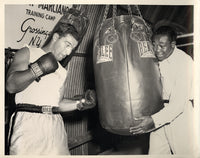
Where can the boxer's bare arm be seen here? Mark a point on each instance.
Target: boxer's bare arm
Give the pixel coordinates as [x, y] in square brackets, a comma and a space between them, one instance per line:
[19, 76]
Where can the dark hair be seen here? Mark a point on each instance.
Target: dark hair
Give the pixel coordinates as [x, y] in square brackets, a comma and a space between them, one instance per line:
[72, 22]
[63, 29]
[166, 30]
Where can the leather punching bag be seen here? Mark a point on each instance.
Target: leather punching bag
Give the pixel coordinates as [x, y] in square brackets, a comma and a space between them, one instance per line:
[126, 72]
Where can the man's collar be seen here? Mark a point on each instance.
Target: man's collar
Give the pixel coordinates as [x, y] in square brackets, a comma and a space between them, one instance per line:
[171, 57]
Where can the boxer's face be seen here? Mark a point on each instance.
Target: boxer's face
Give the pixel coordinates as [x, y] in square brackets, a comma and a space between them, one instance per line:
[63, 46]
[163, 47]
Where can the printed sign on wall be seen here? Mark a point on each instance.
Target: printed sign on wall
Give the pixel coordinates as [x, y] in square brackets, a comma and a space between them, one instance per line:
[31, 24]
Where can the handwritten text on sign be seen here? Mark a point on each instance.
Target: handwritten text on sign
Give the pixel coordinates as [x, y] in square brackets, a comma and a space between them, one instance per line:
[30, 24]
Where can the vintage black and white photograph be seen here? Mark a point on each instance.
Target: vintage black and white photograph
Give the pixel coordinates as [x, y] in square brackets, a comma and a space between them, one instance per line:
[99, 79]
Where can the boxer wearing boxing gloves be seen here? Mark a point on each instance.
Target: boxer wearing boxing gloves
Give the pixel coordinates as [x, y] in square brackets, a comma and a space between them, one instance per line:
[44, 65]
[37, 78]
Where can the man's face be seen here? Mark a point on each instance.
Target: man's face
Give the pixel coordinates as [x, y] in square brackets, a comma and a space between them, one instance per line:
[163, 47]
[63, 46]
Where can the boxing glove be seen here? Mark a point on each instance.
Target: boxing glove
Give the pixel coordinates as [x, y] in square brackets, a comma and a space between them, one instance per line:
[88, 100]
[46, 64]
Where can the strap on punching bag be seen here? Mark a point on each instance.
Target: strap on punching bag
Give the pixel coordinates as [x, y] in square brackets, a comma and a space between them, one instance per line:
[139, 14]
[114, 14]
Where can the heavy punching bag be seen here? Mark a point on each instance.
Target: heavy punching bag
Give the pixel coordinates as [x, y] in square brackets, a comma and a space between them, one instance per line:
[126, 72]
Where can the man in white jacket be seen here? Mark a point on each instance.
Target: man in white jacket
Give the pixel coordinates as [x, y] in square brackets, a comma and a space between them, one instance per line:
[172, 127]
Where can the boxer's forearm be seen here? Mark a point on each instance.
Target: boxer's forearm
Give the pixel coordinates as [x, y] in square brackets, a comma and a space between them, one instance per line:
[67, 105]
[19, 80]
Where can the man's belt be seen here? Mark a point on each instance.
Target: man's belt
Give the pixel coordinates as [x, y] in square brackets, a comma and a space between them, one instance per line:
[46, 109]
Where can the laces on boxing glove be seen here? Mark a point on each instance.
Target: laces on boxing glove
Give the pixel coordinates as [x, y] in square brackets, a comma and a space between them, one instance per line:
[35, 68]
[44, 65]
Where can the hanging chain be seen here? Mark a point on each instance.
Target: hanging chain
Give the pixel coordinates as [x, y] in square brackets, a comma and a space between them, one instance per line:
[114, 16]
[138, 11]
[130, 11]
[131, 15]
[113, 36]
[103, 20]
[104, 16]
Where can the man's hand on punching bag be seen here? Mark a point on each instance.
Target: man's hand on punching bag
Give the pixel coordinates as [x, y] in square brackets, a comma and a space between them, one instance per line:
[46, 64]
[87, 101]
[146, 125]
